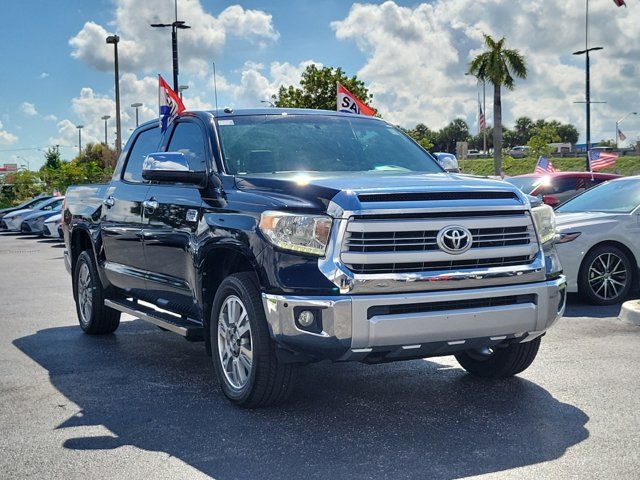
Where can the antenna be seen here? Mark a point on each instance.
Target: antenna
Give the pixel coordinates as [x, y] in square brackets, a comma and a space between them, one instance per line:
[215, 87]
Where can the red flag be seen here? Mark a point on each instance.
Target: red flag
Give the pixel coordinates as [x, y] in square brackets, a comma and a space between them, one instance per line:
[169, 102]
[619, 3]
[349, 103]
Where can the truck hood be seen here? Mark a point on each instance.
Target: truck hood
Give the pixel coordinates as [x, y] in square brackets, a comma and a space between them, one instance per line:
[320, 188]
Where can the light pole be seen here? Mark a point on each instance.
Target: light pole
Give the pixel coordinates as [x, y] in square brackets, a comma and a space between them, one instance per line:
[79, 127]
[105, 118]
[114, 39]
[136, 105]
[174, 42]
[25, 161]
[268, 102]
[182, 88]
[618, 125]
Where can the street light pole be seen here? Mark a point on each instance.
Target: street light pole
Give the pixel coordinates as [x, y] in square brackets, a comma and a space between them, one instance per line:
[79, 127]
[182, 88]
[105, 118]
[174, 42]
[114, 39]
[136, 106]
[618, 125]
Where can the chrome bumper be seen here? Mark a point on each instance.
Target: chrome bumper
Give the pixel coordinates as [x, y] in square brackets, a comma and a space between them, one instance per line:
[350, 331]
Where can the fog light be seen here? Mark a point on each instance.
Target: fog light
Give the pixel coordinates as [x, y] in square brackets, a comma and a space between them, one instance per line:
[306, 318]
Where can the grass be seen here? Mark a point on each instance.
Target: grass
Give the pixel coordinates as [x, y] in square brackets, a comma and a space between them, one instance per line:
[517, 166]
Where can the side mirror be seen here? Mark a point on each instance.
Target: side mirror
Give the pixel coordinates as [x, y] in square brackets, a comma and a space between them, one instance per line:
[171, 167]
[550, 200]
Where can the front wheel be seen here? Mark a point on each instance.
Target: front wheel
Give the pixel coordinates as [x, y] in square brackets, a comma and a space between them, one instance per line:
[499, 362]
[605, 276]
[243, 353]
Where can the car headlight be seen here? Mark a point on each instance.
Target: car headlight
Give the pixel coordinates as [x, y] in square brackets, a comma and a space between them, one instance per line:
[545, 221]
[300, 233]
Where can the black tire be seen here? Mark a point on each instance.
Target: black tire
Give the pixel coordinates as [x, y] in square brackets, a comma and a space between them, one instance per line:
[588, 285]
[268, 381]
[502, 362]
[97, 319]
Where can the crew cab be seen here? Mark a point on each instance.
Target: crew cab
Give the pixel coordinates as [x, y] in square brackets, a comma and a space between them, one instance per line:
[281, 237]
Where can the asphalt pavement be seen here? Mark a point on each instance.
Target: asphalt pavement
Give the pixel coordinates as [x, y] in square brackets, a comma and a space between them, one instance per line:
[143, 403]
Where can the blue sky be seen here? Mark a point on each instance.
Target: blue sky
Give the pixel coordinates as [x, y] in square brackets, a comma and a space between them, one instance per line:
[411, 54]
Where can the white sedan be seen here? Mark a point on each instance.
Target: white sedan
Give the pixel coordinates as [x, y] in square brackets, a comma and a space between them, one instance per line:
[51, 226]
[599, 245]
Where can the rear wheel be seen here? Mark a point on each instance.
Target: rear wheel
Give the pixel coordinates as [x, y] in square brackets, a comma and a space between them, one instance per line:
[94, 317]
[495, 362]
[605, 276]
[244, 356]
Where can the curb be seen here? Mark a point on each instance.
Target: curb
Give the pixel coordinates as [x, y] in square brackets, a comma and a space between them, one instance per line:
[630, 312]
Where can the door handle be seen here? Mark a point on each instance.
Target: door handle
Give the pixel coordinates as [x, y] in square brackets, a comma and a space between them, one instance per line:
[150, 205]
[109, 201]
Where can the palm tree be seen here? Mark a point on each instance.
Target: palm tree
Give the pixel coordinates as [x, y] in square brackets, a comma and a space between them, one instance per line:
[498, 65]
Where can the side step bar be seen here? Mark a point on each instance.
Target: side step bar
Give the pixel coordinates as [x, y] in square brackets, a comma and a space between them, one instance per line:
[189, 330]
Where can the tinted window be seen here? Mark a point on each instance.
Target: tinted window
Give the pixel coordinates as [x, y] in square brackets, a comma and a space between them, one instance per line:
[619, 196]
[565, 188]
[145, 143]
[188, 139]
[525, 184]
[320, 143]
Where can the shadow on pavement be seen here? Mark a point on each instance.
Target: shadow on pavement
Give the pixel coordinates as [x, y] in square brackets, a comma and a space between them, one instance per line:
[579, 308]
[416, 419]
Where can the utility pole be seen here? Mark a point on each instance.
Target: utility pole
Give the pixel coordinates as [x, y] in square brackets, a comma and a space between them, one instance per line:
[114, 39]
[105, 118]
[182, 88]
[136, 106]
[79, 127]
[174, 42]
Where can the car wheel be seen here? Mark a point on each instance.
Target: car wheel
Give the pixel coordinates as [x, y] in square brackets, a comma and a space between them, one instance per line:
[605, 276]
[499, 362]
[243, 353]
[94, 317]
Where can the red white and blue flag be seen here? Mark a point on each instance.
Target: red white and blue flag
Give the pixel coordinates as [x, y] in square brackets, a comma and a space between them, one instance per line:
[170, 104]
[619, 3]
[599, 160]
[621, 135]
[544, 165]
[348, 103]
[482, 121]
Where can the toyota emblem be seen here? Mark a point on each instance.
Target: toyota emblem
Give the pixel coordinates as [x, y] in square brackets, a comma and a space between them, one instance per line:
[454, 239]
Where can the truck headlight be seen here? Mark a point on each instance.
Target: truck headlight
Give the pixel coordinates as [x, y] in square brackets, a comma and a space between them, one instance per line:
[300, 233]
[545, 221]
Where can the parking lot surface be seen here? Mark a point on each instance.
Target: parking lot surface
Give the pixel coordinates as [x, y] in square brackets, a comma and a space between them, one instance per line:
[143, 403]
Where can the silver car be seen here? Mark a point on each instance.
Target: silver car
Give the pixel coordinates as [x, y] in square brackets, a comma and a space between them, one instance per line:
[13, 220]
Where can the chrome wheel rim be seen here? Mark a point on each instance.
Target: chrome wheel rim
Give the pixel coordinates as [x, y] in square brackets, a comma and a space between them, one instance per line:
[85, 293]
[607, 276]
[235, 342]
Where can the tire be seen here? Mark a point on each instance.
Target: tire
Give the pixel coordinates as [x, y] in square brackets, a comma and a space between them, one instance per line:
[94, 317]
[258, 379]
[501, 362]
[612, 263]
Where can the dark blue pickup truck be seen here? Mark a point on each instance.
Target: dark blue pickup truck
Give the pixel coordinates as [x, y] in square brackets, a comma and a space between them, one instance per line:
[283, 237]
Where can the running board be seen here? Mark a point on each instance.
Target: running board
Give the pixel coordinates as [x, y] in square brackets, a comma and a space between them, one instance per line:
[189, 330]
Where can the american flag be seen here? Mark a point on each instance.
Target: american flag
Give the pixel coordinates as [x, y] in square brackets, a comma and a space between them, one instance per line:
[621, 135]
[619, 3]
[482, 122]
[544, 165]
[599, 160]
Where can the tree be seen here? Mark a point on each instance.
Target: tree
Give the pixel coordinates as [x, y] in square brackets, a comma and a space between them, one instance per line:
[52, 159]
[423, 135]
[100, 154]
[318, 89]
[522, 131]
[498, 65]
[456, 131]
[568, 133]
[540, 139]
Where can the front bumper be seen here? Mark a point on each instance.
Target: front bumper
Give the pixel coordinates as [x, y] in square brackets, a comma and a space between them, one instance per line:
[413, 325]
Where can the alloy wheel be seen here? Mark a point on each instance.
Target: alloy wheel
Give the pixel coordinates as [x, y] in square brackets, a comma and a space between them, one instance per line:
[85, 294]
[607, 276]
[235, 342]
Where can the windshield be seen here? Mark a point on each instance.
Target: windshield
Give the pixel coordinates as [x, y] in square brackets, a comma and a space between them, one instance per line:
[619, 196]
[41, 204]
[525, 184]
[318, 143]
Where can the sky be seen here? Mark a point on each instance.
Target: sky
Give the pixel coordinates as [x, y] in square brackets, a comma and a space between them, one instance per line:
[58, 71]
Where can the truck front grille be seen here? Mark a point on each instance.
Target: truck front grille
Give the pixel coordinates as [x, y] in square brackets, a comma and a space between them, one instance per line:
[401, 244]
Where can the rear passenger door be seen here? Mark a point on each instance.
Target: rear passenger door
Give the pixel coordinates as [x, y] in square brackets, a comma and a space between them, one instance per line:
[121, 224]
[170, 227]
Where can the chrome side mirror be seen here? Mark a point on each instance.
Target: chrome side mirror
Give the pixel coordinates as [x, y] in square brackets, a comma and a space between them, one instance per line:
[171, 167]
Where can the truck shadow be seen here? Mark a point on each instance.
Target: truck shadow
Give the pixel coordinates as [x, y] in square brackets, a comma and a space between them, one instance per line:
[417, 419]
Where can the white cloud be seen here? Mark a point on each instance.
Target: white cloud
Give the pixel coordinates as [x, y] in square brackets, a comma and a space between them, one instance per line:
[51, 118]
[143, 48]
[416, 58]
[44, 75]
[29, 109]
[6, 138]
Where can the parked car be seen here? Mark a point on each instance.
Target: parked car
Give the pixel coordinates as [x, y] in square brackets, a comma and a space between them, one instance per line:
[23, 206]
[34, 222]
[448, 161]
[261, 233]
[519, 152]
[556, 188]
[13, 220]
[53, 226]
[600, 241]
